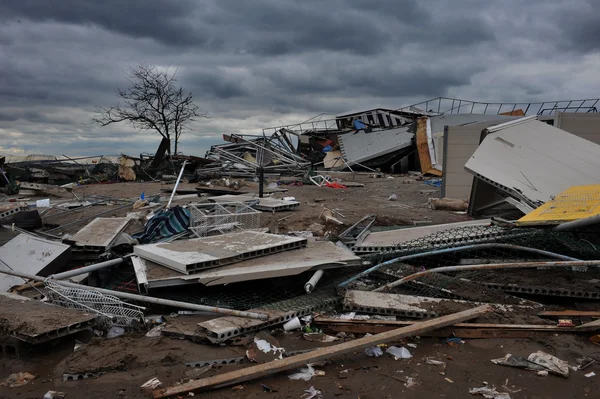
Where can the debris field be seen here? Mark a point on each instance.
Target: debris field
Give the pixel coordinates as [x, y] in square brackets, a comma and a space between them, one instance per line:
[387, 253]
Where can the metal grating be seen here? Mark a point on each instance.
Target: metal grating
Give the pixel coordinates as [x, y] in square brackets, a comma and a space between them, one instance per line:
[112, 311]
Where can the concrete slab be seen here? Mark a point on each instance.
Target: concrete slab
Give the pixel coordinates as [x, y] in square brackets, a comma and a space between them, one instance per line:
[264, 204]
[385, 240]
[414, 306]
[29, 254]
[189, 256]
[317, 255]
[36, 322]
[100, 232]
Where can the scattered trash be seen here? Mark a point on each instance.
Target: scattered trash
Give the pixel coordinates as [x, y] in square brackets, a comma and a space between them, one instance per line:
[393, 197]
[267, 388]
[489, 393]
[434, 362]
[293, 324]
[374, 351]
[319, 337]
[398, 353]
[552, 363]
[262, 345]
[411, 345]
[18, 380]
[590, 374]
[114, 332]
[54, 395]
[151, 384]
[449, 380]
[306, 374]
[542, 373]
[411, 382]
[311, 393]
[155, 331]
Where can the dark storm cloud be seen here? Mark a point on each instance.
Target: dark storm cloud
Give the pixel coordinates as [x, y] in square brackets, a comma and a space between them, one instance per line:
[161, 20]
[253, 64]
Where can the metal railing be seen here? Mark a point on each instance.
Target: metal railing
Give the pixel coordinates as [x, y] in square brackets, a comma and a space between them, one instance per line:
[445, 105]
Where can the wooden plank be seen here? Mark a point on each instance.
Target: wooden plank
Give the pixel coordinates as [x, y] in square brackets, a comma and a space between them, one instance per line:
[463, 330]
[262, 370]
[434, 172]
[422, 146]
[569, 313]
[592, 326]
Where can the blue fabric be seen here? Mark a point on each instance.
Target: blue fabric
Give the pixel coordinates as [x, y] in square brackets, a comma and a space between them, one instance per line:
[358, 125]
[165, 223]
[328, 148]
[434, 182]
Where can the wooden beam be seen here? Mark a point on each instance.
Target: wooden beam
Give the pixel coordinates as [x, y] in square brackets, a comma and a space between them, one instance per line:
[422, 146]
[262, 370]
[463, 330]
[569, 313]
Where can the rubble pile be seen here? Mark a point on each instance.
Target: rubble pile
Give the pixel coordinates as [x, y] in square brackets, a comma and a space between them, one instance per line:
[266, 256]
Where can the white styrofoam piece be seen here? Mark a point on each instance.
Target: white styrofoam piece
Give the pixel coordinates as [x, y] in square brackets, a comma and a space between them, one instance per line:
[186, 255]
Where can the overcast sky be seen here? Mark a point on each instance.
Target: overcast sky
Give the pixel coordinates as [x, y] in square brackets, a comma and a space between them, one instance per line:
[261, 63]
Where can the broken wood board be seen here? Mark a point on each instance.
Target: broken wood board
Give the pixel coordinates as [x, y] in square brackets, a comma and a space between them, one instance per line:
[462, 330]
[262, 370]
[32, 255]
[409, 305]
[47, 189]
[333, 159]
[317, 255]
[189, 256]
[423, 145]
[569, 313]
[264, 204]
[100, 233]
[36, 322]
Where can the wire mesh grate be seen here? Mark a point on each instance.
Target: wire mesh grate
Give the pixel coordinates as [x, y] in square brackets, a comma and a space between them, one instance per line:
[210, 219]
[112, 311]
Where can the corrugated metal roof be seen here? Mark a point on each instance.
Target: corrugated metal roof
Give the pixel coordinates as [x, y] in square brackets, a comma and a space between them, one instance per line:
[360, 147]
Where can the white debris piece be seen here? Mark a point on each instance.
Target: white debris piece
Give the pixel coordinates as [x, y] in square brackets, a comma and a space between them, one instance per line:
[374, 351]
[489, 393]
[552, 363]
[399, 353]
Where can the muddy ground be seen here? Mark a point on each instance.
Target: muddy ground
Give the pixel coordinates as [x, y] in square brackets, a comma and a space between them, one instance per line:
[352, 203]
[128, 362]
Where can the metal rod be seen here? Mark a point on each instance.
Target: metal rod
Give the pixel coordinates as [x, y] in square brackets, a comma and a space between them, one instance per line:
[86, 269]
[575, 224]
[455, 249]
[176, 184]
[312, 283]
[519, 265]
[141, 298]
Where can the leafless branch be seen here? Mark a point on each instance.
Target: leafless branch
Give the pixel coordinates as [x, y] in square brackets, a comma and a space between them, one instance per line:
[152, 102]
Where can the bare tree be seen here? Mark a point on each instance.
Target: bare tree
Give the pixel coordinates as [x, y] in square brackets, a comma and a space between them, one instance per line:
[152, 102]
